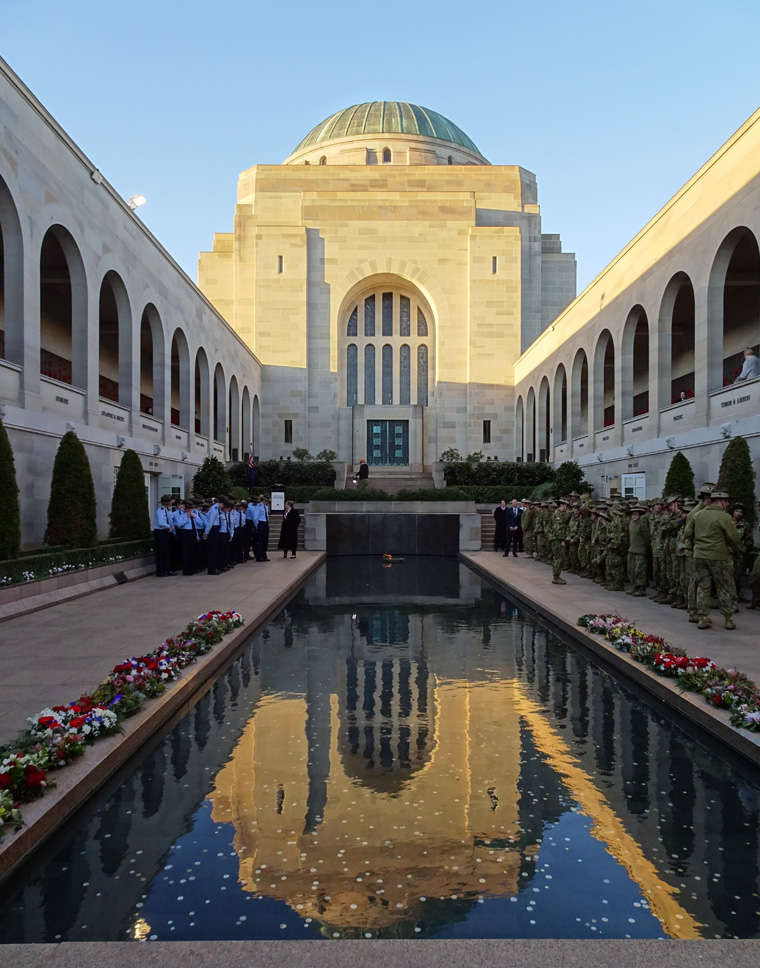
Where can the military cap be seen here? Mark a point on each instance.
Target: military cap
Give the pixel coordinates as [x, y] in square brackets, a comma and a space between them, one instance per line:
[707, 488]
[603, 513]
[738, 504]
[671, 498]
[166, 499]
[720, 495]
[656, 501]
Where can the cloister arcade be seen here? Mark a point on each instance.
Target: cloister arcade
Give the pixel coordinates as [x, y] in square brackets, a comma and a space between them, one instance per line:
[88, 334]
[679, 349]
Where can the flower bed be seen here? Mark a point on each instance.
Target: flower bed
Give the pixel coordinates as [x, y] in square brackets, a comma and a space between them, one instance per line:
[60, 734]
[723, 688]
[48, 564]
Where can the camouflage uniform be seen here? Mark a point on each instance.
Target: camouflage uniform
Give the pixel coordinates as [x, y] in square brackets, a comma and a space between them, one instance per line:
[656, 522]
[584, 543]
[571, 546]
[559, 522]
[527, 526]
[684, 567]
[740, 561]
[597, 547]
[539, 531]
[616, 540]
[715, 537]
[669, 527]
[638, 555]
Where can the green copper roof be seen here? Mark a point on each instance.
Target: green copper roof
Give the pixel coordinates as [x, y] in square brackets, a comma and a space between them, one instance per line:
[387, 117]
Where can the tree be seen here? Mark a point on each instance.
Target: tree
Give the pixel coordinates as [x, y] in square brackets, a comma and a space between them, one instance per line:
[212, 479]
[328, 456]
[737, 476]
[72, 515]
[130, 516]
[569, 478]
[680, 477]
[301, 454]
[10, 519]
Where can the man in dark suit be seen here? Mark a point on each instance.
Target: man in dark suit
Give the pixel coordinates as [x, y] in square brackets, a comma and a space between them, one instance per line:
[514, 529]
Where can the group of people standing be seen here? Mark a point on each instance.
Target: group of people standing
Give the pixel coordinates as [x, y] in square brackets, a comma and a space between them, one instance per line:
[215, 535]
[685, 549]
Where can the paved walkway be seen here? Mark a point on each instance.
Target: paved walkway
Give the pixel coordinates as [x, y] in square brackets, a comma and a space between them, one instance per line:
[532, 580]
[54, 655]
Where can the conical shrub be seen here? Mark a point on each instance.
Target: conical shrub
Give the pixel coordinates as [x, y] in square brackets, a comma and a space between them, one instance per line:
[680, 477]
[10, 518]
[130, 516]
[71, 512]
[737, 476]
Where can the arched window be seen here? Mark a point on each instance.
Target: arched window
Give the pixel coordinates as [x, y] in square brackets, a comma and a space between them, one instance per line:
[323, 160]
[369, 373]
[377, 359]
[386, 156]
[352, 374]
[387, 375]
[405, 375]
[451, 160]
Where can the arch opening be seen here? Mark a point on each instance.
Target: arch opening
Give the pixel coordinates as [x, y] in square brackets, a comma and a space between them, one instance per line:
[63, 309]
[741, 304]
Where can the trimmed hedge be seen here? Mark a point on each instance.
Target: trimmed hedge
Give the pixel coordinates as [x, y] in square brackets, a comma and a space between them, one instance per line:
[10, 519]
[71, 517]
[311, 473]
[432, 494]
[494, 472]
[350, 494]
[130, 516]
[49, 563]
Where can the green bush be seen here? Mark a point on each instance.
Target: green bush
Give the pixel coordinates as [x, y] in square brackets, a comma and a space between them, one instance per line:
[238, 493]
[10, 519]
[737, 476]
[432, 494]
[680, 477]
[212, 479]
[307, 473]
[568, 478]
[130, 516]
[494, 472]
[542, 492]
[48, 563]
[71, 517]
[350, 494]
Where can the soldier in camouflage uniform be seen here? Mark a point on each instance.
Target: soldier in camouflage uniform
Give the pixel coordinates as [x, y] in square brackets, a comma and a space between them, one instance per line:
[527, 527]
[597, 544]
[584, 542]
[705, 500]
[715, 540]
[616, 543]
[571, 546]
[670, 522]
[747, 544]
[638, 550]
[558, 534]
[539, 532]
[685, 558]
[656, 520]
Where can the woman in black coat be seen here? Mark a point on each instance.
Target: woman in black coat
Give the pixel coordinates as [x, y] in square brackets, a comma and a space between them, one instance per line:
[289, 533]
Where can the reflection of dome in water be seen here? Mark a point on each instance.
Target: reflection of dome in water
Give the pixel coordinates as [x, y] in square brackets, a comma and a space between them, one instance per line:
[387, 720]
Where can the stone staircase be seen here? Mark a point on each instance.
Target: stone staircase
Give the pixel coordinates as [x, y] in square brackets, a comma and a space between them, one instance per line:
[275, 527]
[487, 526]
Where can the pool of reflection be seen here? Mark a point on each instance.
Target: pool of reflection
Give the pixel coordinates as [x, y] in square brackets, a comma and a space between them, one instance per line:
[404, 753]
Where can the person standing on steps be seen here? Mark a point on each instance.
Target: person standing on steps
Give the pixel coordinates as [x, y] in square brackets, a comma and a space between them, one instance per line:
[362, 475]
[289, 532]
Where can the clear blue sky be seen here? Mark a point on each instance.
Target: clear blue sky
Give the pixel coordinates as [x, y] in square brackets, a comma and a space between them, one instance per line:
[613, 106]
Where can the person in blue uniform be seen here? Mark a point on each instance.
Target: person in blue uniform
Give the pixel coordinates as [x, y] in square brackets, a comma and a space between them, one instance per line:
[163, 529]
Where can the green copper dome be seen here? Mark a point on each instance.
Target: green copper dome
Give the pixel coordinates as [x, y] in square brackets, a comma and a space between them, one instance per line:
[387, 117]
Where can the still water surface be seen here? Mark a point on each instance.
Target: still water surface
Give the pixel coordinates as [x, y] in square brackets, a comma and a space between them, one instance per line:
[404, 753]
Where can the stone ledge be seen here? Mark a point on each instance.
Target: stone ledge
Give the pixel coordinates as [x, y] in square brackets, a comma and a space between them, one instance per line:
[26, 597]
[715, 722]
[78, 782]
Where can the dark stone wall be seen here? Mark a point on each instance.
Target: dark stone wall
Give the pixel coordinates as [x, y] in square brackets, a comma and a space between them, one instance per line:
[393, 534]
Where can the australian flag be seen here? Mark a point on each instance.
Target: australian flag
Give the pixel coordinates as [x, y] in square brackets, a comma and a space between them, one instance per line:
[251, 473]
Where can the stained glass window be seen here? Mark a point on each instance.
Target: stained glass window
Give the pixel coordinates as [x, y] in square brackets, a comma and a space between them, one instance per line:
[387, 375]
[369, 373]
[352, 323]
[421, 323]
[405, 315]
[422, 375]
[387, 314]
[352, 375]
[369, 316]
[405, 363]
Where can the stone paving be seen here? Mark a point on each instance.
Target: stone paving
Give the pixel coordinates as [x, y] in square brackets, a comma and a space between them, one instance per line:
[532, 581]
[54, 655]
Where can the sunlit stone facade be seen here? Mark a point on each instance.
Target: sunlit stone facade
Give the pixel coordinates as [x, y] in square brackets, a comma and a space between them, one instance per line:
[387, 276]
